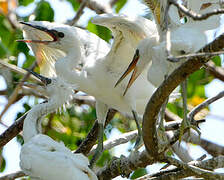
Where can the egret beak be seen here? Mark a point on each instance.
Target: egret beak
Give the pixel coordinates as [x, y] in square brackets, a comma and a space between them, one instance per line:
[50, 32]
[132, 66]
[45, 80]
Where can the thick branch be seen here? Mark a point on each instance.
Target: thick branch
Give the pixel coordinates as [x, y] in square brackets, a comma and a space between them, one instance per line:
[91, 138]
[124, 165]
[12, 131]
[165, 89]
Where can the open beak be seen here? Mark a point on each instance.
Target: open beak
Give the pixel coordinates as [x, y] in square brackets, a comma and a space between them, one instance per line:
[51, 33]
[132, 66]
[43, 79]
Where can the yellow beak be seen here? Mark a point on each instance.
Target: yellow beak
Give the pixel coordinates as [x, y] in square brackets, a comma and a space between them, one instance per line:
[132, 66]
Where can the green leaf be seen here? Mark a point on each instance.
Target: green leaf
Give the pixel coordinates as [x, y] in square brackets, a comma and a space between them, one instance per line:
[100, 31]
[25, 2]
[138, 173]
[217, 60]
[2, 165]
[75, 4]
[19, 139]
[44, 12]
[119, 5]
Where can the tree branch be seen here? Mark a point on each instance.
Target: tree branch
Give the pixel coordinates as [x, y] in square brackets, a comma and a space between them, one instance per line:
[78, 13]
[97, 7]
[217, 72]
[204, 104]
[13, 96]
[193, 15]
[13, 176]
[12, 131]
[91, 138]
[165, 89]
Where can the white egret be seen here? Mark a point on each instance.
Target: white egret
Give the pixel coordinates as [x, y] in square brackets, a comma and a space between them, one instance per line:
[43, 158]
[99, 75]
[185, 39]
[90, 46]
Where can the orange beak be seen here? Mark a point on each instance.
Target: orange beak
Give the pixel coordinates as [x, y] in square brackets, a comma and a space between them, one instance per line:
[132, 66]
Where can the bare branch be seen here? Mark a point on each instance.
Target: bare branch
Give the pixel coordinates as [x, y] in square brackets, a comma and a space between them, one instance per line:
[204, 104]
[210, 147]
[14, 95]
[187, 56]
[124, 165]
[198, 171]
[122, 139]
[193, 15]
[12, 131]
[179, 173]
[18, 70]
[78, 13]
[97, 7]
[91, 138]
[217, 72]
[13, 176]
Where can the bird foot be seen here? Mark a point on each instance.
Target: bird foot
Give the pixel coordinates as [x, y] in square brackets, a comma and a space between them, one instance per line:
[162, 138]
[186, 125]
[138, 142]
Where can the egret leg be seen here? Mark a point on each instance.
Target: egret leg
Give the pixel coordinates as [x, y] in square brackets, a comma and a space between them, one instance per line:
[139, 140]
[101, 113]
[99, 149]
[185, 124]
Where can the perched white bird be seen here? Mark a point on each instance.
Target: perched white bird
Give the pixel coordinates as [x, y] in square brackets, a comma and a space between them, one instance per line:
[41, 157]
[99, 75]
[40, 33]
[185, 39]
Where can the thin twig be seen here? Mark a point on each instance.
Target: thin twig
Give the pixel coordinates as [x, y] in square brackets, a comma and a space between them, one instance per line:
[122, 139]
[217, 72]
[13, 176]
[78, 13]
[97, 7]
[204, 104]
[18, 70]
[193, 15]
[200, 172]
[13, 96]
[178, 58]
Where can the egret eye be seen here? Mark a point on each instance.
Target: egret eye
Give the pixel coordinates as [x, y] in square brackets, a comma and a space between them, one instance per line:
[61, 34]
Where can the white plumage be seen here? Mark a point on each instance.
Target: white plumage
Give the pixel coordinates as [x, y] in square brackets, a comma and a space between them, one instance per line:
[41, 157]
[185, 39]
[99, 75]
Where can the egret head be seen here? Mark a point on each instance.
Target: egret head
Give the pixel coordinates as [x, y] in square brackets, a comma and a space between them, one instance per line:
[58, 36]
[140, 61]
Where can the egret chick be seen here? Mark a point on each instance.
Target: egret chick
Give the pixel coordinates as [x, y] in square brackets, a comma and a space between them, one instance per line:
[185, 39]
[98, 75]
[43, 158]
